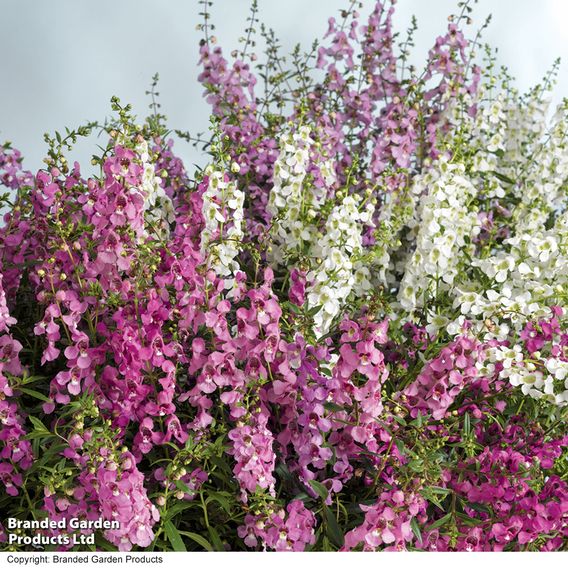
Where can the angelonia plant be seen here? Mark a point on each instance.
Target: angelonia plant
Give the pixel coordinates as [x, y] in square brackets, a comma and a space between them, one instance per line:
[349, 331]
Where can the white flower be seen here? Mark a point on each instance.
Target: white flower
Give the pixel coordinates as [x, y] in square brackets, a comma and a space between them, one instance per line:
[221, 238]
[444, 220]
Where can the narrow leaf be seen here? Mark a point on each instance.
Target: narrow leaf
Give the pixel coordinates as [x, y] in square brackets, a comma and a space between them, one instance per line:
[174, 537]
[203, 542]
[334, 532]
[319, 488]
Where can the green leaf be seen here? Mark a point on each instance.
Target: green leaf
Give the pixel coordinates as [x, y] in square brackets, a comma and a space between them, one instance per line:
[283, 472]
[333, 531]
[221, 464]
[319, 488]
[38, 434]
[440, 522]
[33, 379]
[174, 537]
[418, 421]
[302, 497]
[178, 508]
[416, 465]
[103, 544]
[326, 545]
[466, 424]
[47, 454]
[477, 507]
[503, 178]
[332, 407]
[221, 498]
[439, 490]
[34, 393]
[400, 446]
[416, 530]
[183, 487]
[292, 307]
[38, 424]
[468, 520]
[203, 542]
[431, 494]
[216, 539]
[314, 310]
[399, 419]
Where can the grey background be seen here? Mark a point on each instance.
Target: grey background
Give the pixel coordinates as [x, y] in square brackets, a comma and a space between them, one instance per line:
[62, 60]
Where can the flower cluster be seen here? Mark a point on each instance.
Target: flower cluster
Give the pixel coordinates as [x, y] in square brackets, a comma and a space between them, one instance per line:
[281, 530]
[445, 228]
[109, 487]
[223, 215]
[538, 364]
[348, 332]
[15, 449]
[294, 209]
[339, 268]
[442, 378]
[387, 523]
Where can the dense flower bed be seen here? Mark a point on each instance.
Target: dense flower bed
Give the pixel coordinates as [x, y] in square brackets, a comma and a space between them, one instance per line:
[348, 332]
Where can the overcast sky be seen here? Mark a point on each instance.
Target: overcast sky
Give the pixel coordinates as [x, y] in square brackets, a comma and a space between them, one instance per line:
[62, 60]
